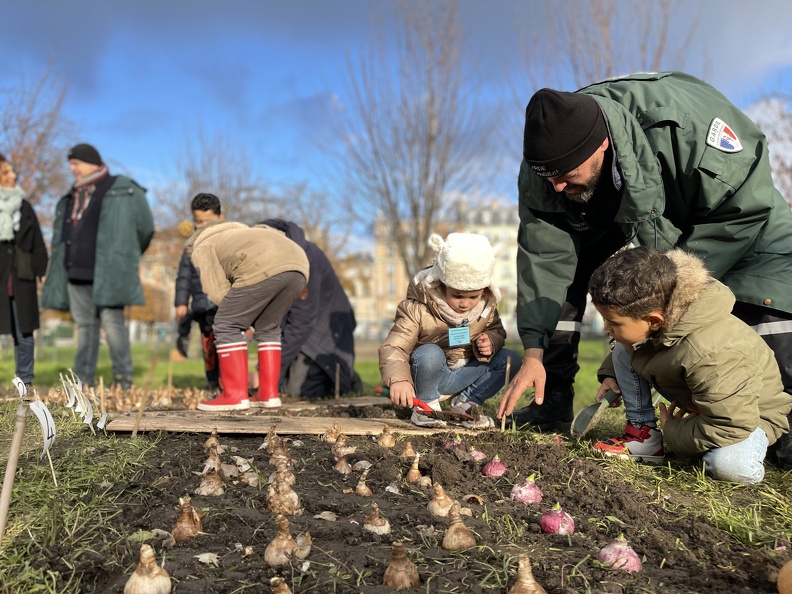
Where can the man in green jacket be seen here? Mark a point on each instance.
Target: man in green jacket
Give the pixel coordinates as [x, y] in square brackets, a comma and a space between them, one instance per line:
[101, 228]
[656, 159]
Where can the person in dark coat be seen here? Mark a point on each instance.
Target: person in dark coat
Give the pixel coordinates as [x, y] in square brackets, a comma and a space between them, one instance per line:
[23, 259]
[317, 333]
[192, 304]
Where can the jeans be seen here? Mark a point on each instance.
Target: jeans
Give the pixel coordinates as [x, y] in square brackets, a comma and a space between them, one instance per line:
[741, 462]
[636, 392]
[89, 318]
[475, 382]
[24, 348]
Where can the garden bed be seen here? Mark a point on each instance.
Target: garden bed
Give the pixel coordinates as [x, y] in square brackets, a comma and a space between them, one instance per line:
[681, 551]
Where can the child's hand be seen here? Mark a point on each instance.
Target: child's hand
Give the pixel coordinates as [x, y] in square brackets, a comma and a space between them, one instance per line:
[671, 413]
[402, 393]
[609, 384]
[484, 345]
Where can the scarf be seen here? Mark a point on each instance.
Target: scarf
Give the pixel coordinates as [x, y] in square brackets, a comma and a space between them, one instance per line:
[10, 203]
[83, 190]
[453, 318]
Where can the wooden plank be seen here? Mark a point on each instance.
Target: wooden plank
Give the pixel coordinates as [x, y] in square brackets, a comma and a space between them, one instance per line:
[247, 422]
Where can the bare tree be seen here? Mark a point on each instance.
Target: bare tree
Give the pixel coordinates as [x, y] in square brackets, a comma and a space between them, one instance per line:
[600, 39]
[592, 40]
[411, 133]
[325, 222]
[34, 135]
[218, 165]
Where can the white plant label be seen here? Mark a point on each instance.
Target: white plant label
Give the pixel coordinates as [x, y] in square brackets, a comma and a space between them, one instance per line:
[20, 386]
[69, 391]
[47, 424]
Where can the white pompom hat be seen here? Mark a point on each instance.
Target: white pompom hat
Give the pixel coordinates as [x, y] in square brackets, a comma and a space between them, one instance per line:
[465, 261]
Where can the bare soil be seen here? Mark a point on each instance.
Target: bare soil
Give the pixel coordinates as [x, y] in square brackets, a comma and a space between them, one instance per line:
[682, 554]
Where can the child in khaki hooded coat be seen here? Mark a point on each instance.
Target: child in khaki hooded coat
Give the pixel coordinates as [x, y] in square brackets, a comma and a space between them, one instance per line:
[447, 337]
[253, 274]
[674, 332]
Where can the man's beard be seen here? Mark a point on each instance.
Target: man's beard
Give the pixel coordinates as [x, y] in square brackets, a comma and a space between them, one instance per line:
[583, 197]
[588, 188]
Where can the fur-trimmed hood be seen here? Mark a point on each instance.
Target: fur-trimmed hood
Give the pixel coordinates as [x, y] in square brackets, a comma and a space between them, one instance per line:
[692, 279]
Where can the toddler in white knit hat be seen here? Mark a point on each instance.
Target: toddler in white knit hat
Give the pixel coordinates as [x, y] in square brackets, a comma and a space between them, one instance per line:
[447, 338]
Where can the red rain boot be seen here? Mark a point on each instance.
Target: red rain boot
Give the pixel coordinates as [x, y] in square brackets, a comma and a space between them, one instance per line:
[233, 362]
[269, 360]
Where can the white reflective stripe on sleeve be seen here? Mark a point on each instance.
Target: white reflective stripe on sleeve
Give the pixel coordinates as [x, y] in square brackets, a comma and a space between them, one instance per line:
[780, 327]
[565, 326]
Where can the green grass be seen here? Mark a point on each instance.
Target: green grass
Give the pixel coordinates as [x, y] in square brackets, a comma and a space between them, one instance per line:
[62, 519]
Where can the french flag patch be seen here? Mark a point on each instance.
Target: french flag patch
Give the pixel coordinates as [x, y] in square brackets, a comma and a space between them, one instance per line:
[722, 137]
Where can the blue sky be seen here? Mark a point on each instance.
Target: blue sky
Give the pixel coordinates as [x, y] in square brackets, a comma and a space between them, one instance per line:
[143, 75]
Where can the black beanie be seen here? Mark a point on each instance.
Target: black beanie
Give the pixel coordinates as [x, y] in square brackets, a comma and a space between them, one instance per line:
[85, 153]
[562, 130]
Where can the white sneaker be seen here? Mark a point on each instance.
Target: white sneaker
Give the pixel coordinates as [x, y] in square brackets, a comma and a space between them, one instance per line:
[643, 444]
[424, 421]
[472, 409]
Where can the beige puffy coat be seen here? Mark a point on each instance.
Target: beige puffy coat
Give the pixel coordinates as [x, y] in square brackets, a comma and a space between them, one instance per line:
[229, 254]
[418, 322]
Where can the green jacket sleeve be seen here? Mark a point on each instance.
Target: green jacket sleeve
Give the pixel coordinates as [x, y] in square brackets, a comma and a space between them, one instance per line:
[546, 262]
[145, 221]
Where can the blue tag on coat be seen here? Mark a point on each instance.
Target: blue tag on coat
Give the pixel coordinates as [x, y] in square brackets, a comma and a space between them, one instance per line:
[458, 336]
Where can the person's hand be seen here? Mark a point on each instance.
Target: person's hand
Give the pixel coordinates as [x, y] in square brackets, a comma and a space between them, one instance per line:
[670, 413]
[531, 374]
[402, 393]
[484, 345]
[303, 294]
[609, 383]
[181, 311]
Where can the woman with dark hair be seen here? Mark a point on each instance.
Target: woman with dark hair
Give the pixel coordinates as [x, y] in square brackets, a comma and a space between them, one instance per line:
[23, 259]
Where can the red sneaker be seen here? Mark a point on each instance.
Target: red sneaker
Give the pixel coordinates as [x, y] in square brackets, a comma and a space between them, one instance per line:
[642, 445]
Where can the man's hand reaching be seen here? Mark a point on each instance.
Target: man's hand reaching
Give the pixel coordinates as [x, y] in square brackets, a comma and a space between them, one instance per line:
[531, 375]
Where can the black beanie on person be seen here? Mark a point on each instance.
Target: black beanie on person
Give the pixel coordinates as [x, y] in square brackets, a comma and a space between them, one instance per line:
[562, 130]
[85, 153]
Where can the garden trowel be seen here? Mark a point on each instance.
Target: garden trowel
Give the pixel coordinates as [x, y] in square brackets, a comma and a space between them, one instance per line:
[588, 418]
[444, 415]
